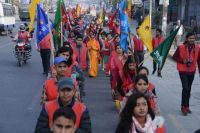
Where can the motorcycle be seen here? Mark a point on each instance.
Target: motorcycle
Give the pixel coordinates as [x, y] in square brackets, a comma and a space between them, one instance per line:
[22, 52]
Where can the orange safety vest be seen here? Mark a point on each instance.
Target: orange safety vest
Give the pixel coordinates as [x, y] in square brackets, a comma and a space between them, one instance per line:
[23, 36]
[51, 89]
[152, 103]
[45, 43]
[78, 109]
[184, 54]
[138, 44]
[69, 69]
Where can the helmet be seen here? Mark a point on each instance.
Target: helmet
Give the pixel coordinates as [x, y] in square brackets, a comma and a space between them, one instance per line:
[22, 27]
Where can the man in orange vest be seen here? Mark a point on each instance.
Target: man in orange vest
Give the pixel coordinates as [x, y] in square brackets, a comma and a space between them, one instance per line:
[138, 49]
[64, 120]
[187, 56]
[82, 53]
[50, 90]
[66, 87]
[45, 52]
[157, 40]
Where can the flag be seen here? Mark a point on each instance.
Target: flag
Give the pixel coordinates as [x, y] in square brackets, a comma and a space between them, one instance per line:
[110, 24]
[124, 26]
[129, 3]
[145, 33]
[78, 10]
[57, 22]
[102, 16]
[64, 14]
[42, 25]
[160, 53]
[32, 10]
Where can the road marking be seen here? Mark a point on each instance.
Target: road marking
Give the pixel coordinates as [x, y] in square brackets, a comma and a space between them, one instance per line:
[177, 124]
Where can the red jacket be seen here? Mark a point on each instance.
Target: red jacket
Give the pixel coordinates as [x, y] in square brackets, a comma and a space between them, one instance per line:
[192, 54]
[138, 44]
[157, 41]
[51, 89]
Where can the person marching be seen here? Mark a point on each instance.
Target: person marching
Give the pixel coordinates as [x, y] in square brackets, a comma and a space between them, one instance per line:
[115, 64]
[141, 85]
[142, 70]
[138, 48]
[94, 52]
[82, 53]
[105, 49]
[50, 90]
[187, 55]
[64, 120]
[157, 40]
[138, 117]
[66, 98]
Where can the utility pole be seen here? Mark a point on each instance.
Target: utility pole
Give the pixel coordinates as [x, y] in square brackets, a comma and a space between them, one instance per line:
[164, 18]
[150, 10]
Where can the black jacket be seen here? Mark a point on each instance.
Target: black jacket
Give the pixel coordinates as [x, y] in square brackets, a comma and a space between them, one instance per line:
[42, 125]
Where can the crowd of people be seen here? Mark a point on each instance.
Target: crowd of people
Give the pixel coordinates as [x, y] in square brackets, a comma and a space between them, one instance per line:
[83, 49]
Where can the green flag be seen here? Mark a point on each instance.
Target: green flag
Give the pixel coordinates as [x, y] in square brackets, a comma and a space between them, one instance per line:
[160, 53]
[57, 22]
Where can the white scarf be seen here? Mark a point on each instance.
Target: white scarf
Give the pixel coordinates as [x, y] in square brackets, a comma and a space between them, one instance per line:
[148, 127]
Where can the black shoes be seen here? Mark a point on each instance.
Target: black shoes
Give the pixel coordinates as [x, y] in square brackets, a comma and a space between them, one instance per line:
[153, 71]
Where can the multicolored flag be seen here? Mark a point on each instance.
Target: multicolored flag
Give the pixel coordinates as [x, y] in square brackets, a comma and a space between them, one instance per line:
[124, 26]
[42, 25]
[160, 53]
[32, 11]
[64, 14]
[145, 33]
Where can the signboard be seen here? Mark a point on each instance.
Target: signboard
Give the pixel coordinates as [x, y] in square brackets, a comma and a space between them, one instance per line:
[164, 2]
[136, 2]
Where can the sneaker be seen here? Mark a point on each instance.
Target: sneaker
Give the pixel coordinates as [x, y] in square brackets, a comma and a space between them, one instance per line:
[153, 71]
[159, 75]
[188, 110]
[184, 111]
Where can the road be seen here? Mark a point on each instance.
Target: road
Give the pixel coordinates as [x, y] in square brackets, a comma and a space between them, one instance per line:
[21, 88]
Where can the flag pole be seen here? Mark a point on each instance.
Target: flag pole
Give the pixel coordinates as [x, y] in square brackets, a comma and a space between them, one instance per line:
[61, 28]
[150, 11]
[50, 33]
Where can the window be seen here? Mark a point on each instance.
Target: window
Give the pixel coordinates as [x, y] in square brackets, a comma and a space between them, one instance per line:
[8, 10]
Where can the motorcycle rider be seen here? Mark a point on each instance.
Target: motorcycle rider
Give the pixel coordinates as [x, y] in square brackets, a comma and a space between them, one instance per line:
[23, 36]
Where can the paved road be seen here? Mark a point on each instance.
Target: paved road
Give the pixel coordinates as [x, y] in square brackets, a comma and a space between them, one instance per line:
[20, 92]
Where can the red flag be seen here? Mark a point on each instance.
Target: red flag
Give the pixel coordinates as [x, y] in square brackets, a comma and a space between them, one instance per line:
[64, 15]
[110, 24]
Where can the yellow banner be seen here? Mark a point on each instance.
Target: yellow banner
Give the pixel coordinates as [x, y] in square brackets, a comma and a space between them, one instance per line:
[32, 10]
[145, 33]
[129, 9]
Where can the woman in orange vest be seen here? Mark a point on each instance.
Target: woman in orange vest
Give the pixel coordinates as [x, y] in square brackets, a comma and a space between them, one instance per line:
[67, 89]
[145, 71]
[94, 52]
[187, 55]
[141, 85]
[138, 117]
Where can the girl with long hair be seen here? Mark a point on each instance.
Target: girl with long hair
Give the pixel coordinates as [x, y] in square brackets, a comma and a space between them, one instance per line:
[138, 117]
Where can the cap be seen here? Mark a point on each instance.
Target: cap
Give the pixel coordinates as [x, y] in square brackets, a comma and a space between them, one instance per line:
[59, 60]
[66, 83]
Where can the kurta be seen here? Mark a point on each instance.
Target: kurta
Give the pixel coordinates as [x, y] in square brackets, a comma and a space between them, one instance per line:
[94, 49]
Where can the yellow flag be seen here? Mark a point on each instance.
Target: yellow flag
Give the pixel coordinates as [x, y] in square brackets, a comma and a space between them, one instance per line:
[78, 10]
[32, 10]
[145, 33]
[129, 3]
[101, 16]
